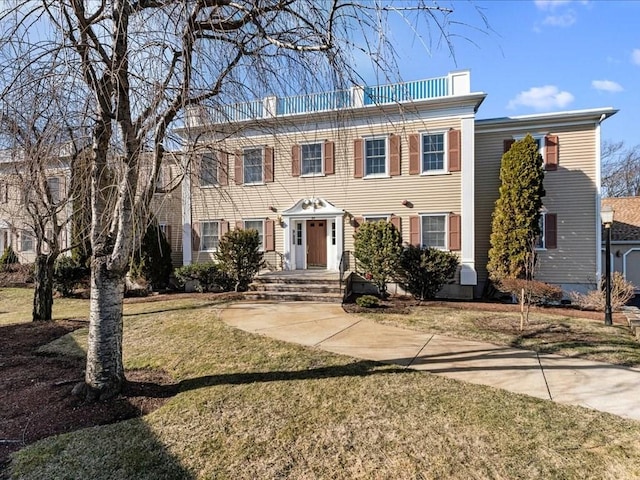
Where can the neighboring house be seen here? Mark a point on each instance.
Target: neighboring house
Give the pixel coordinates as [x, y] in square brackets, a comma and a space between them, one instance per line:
[625, 238]
[16, 226]
[306, 171]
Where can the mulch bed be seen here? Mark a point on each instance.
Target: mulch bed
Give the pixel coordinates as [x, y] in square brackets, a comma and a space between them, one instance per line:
[35, 389]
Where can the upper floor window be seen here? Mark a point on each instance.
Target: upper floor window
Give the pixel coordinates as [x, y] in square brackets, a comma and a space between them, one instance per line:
[547, 147]
[252, 165]
[53, 184]
[433, 152]
[376, 218]
[375, 156]
[4, 193]
[311, 159]
[209, 170]
[434, 231]
[209, 235]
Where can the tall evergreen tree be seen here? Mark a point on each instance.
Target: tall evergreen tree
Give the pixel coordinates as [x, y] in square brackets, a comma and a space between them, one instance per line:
[516, 217]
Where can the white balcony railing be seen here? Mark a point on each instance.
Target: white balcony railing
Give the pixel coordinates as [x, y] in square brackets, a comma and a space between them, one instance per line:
[453, 84]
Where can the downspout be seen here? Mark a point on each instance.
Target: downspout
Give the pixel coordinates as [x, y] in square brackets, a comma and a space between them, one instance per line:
[598, 226]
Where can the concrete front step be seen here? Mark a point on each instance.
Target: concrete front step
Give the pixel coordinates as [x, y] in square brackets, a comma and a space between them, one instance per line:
[294, 280]
[294, 296]
[296, 287]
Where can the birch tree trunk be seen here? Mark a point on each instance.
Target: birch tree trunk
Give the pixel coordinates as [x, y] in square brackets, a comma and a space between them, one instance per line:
[105, 372]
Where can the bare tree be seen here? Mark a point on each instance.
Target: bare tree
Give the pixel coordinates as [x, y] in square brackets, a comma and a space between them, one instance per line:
[43, 152]
[143, 62]
[620, 170]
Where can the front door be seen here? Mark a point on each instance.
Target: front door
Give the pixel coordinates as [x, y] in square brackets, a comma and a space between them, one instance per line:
[316, 243]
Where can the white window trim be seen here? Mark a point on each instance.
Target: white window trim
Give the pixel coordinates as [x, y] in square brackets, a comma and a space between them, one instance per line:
[386, 216]
[244, 150]
[217, 168]
[445, 158]
[446, 229]
[202, 235]
[543, 228]
[386, 157]
[319, 174]
[262, 220]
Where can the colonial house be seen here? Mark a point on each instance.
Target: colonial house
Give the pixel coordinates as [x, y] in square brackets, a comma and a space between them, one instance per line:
[625, 238]
[18, 227]
[305, 171]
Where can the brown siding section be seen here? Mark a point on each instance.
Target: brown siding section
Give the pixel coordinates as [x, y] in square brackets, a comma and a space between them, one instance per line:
[414, 230]
[506, 144]
[358, 158]
[223, 169]
[269, 240]
[329, 155]
[551, 153]
[394, 155]
[414, 154]
[551, 231]
[455, 234]
[238, 167]
[268, 164]
[295, 161]
[454, 150]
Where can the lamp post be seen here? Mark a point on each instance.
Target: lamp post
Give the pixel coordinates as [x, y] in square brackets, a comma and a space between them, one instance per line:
[606, 216]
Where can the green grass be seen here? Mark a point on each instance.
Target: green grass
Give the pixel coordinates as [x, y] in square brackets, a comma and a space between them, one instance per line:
[252, 407]
[562, 335]
[16, 306]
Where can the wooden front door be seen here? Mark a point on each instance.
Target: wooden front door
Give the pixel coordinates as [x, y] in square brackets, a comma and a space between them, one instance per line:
[316, 243]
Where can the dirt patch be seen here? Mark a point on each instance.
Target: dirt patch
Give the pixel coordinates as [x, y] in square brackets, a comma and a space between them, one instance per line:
[35, 389]
[402, 305]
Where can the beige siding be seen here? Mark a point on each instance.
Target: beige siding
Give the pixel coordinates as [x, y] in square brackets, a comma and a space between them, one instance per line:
[570, 194]
[358, 196]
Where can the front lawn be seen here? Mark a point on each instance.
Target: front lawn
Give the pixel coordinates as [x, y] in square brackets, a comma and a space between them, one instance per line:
[251, 407]
[16, 306]
[565, 335]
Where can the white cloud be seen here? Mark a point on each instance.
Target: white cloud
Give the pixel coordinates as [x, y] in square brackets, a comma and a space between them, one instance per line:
[635, 56]
[564, 20]
[607, 86]
[542, 98]
[549, 4]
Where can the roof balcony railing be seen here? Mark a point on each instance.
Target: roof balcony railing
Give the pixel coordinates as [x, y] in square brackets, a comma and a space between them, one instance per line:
[453, 84]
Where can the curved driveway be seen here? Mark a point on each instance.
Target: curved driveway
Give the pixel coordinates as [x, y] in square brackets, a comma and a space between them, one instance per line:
[596, 385]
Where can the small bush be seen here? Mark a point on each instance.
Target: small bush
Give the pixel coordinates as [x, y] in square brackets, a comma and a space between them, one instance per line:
[16, 274]
[621, 292]
[8, 257]
[536, 292]
[378, 246]
[207, 276]
[68, 275]
[239, 256]
[423, 271]
[367, 301]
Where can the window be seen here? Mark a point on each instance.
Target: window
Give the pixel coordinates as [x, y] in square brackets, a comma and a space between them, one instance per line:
[252, 165]
[547, 147]
[376, 218]
[540, 240]
[375, 157]
[4, 193]
[299, 234]
[433, 148]
[53, 184]
[209, 170]
[257, 225]
[434, 231]
[548, 238]
[311, 159]
[209, 235]
[26, 242]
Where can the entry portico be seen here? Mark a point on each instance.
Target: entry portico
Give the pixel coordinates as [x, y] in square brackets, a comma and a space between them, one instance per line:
[313, 235]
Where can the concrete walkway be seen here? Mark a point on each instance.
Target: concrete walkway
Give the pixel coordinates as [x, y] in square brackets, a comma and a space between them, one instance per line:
[596, 385]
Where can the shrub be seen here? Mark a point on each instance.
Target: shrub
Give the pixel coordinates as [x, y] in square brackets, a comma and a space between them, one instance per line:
[68, 274]
[207, 276]
[239, 256]
[16, 274]
[378, 246]
[423, 271]
[8, 257]
[535, 292]
[367, 301]
[153, 261]
[621, 292]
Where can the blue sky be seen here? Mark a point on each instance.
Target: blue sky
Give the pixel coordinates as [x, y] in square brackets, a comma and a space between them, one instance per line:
[540, 56]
